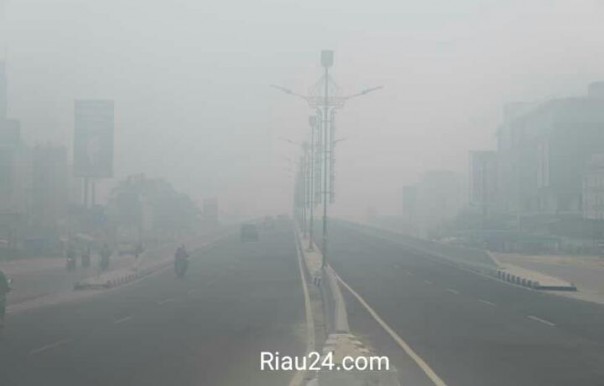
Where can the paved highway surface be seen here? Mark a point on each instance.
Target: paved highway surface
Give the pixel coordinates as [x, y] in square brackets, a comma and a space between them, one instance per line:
[472, 330]
[208, 329]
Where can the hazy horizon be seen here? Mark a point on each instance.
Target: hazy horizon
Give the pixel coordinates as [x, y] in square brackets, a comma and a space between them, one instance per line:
[193, 102]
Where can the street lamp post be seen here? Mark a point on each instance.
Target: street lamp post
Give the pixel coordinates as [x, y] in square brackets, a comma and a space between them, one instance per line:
[326, 62]
[325, 106]
[311, 183]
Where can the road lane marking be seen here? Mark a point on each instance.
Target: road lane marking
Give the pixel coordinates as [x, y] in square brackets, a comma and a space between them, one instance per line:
[49, 346]
[541, 320]
[161, 302]
[402, 344]
[427, 282]
[453, 291]
[123, 320]
[298, 378]
[486, 302]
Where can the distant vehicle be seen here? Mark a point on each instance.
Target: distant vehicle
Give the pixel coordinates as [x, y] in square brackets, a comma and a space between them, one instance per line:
[249, 232]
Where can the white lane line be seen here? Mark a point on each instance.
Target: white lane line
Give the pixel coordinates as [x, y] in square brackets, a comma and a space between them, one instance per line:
[541, 320]
[49, 346]
[427, 282]
[298, 378]
[165, 301]
[402, 344]
[123, 320]
[408, 273]
[453, 291]
[486, 302]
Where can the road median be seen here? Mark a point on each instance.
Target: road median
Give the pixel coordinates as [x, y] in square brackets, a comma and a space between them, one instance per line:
[340, 344]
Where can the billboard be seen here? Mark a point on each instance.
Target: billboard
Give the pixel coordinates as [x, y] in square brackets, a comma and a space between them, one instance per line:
[93, 138]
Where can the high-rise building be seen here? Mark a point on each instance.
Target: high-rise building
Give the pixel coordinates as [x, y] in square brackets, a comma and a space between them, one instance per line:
[593, 188]
[543, 152]
[50, 192]
[483, 181]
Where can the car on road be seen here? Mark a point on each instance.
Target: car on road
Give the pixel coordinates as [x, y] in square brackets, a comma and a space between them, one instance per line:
[249, 232]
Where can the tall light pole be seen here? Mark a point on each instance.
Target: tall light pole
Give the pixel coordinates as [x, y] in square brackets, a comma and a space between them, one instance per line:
[326, 62]
[325, 106]
[312, 120]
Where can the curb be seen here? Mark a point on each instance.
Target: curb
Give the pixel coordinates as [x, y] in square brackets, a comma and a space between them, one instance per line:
[123, 279]
[508, 277]
[140, 273]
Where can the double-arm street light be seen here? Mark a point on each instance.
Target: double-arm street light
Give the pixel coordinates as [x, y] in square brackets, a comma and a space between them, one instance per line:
[325, 106]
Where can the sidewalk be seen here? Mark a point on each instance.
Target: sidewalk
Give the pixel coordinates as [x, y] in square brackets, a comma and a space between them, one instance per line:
[585, 272]
[149, 262]
[38, 277]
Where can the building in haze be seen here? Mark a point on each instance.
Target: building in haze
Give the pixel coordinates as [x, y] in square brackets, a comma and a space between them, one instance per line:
[593, 189]
[482, 182]
[14, 172]
[439, 200]
[543, 152]
[50, 192]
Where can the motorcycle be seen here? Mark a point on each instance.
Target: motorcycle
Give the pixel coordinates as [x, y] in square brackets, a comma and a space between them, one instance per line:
[180, 267]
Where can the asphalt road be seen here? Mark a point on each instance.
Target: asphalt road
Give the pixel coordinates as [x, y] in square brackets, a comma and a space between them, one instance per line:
[208, 329]
[472, 330]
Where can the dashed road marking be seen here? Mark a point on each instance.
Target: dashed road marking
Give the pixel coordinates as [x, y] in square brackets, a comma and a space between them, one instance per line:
[486, 302]
[123, 320]
[453, 291]
[49, 346]
[427, 282]
[161, 302]
[541, 320]
[436, 380]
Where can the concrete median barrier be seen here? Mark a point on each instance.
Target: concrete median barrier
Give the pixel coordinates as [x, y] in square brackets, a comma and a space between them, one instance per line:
[531, 279]
[340, 343]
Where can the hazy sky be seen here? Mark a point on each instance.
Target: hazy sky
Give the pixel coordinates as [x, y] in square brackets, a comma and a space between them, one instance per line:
[191, 83]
